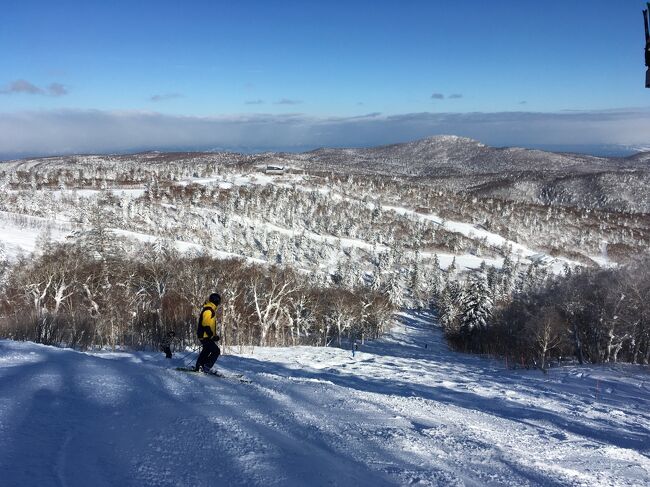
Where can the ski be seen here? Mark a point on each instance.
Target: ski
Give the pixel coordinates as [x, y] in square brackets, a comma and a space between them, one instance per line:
[238, 377]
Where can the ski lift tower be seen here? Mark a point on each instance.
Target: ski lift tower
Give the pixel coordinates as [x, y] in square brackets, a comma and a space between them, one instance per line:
[646, 25]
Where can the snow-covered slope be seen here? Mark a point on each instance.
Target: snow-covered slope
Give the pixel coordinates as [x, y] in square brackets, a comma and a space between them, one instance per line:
[20, 232]
[450, 153]
[403, 411]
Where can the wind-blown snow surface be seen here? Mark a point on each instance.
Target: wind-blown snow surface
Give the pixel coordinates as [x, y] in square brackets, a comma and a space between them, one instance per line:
[403, 411]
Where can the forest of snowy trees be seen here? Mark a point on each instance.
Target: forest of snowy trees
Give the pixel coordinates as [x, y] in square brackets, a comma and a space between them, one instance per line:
[93, 294]
[587, 314]
[131, 246]
[345, 210]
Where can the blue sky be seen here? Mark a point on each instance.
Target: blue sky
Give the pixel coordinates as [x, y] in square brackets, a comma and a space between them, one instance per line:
[315, 62]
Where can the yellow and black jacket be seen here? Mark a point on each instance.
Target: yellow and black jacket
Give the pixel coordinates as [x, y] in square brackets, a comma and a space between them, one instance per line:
[207, 326]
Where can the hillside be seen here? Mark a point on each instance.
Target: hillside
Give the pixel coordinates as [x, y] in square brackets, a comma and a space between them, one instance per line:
[328, 254]
[544, 201]
[510, 173]
[456, 163]
[450, 155]
[403, 411]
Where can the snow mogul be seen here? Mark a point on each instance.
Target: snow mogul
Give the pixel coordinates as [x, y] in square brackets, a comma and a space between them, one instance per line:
[206, 331]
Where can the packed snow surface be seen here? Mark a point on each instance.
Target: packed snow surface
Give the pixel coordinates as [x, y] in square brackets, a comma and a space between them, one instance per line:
[404, 410]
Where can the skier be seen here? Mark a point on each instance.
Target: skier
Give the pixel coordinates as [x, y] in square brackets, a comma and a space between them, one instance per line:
[166, 344]
[206, 331]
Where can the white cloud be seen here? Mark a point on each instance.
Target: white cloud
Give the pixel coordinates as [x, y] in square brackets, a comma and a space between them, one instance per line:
[77, 131]
[57, 89]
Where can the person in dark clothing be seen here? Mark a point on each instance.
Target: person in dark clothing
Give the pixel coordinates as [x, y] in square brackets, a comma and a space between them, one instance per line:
[206, 331]
[166, 344]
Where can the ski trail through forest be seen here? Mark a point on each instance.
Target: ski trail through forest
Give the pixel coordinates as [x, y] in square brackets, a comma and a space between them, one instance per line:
[403, 410]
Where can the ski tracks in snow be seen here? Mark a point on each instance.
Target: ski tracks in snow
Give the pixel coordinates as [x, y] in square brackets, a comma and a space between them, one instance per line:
[403, 411]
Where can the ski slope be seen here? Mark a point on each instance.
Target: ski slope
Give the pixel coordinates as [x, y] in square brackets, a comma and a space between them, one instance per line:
[473, 232]
[19, 234]
[403, 411]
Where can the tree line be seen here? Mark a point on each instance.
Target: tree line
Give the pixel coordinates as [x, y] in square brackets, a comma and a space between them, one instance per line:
[593, 315]
[90, 293]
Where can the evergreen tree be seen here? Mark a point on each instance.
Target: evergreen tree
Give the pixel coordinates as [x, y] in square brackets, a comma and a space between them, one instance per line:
[434, 283]
[448, 308]
[494, 283]
[96, 237]
[451, 270]
[417, 284]
[394, 289]
[476, 305]
[4, 264]
[508, 276]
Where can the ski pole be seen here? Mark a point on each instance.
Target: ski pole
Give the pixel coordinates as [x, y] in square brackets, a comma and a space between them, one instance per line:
[194, 350]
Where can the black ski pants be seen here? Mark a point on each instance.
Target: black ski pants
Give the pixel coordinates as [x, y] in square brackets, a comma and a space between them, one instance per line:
[209, 353]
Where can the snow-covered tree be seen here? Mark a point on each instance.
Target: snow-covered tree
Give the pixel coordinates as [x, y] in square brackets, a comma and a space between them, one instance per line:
[394, 289]
[476, 307]
[448, 308]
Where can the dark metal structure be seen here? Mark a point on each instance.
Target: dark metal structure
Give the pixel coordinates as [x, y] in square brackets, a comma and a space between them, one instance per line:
[646, 25]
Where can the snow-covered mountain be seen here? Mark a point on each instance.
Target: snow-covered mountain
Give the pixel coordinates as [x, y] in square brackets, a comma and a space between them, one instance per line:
[510, 173]
[543, 201]
[456, 163]
[449, 155]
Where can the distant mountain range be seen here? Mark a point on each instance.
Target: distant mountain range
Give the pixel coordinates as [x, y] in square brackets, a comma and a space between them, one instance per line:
[512, 173]
[452, 155]
[597, 150]
[458, 163]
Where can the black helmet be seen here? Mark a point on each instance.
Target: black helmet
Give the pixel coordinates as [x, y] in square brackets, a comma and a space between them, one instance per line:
[215, 298]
